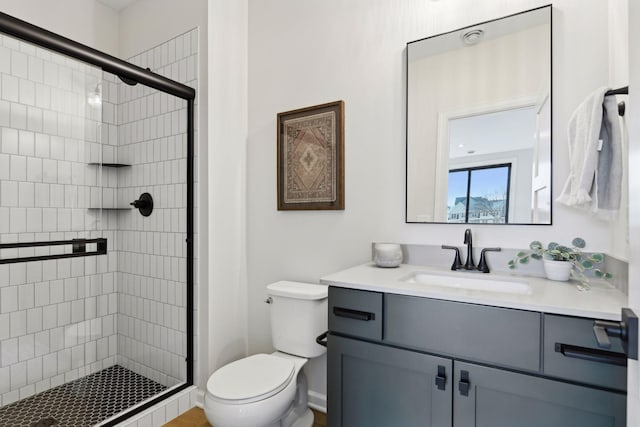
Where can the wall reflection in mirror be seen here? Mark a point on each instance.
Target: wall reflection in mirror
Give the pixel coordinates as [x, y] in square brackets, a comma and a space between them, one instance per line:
[479, 123]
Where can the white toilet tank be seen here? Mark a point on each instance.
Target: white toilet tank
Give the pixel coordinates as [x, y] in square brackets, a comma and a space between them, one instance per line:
[298, 316]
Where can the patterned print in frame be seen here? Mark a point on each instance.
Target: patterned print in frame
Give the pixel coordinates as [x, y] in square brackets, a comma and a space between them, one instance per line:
[311, 158]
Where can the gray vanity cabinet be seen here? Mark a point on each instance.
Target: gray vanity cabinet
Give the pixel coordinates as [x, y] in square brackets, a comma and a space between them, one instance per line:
[373, 385]
[489, 397]
[406, 361]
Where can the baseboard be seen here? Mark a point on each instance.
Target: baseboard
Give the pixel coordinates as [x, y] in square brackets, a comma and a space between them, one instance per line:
[317, 401]
[199, 401]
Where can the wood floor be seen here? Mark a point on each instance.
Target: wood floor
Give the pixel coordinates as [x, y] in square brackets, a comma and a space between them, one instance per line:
[195, 418]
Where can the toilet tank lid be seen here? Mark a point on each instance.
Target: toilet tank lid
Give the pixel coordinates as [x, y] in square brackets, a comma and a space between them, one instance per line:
[297, 290]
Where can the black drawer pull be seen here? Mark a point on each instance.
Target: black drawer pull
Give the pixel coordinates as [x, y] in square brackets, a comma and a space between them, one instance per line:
[353, 314]
[441, 378]
[464, 385]
[591, 354]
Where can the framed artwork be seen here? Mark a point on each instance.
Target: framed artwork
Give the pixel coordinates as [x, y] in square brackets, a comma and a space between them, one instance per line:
[311, 158]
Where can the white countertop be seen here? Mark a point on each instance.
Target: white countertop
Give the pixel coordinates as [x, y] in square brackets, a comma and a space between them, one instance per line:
[602, 301]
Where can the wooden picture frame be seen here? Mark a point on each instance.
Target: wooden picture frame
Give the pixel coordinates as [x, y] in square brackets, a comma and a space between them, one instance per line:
[311, 158]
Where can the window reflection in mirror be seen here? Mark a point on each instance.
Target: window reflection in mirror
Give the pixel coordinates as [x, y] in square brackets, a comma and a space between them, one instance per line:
[479, 195]
[472, 106]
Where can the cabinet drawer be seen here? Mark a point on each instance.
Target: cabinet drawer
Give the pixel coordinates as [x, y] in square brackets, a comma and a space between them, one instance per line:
[357, 313]
[502, 337]
[569, 341]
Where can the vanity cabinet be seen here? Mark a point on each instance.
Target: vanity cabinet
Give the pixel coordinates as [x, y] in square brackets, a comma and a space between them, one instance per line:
[374, 385]
[396, 360]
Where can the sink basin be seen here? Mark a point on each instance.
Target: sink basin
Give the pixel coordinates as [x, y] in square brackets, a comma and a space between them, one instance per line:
[460, 281]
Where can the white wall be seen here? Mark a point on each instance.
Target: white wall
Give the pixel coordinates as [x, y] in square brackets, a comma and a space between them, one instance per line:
[148, 23]
[86, 21]
[227, 298]
[306, 53]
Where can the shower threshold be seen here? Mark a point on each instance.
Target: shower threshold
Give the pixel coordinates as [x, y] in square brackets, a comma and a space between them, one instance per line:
[84, 402]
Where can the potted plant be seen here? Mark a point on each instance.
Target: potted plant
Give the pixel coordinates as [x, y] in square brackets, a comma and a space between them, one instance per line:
[562, 262]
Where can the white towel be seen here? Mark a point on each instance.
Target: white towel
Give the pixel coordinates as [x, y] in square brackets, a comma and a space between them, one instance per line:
[595, 171]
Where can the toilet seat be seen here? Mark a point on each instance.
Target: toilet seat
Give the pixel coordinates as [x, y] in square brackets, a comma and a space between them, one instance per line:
[251, 379]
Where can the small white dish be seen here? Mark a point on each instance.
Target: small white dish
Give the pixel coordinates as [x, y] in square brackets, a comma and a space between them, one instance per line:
[387, 255]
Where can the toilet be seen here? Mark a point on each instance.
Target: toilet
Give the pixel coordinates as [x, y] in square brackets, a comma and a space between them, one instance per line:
[270, 390]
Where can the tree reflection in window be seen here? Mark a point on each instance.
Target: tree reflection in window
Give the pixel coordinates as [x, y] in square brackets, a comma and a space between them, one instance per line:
[487, 190]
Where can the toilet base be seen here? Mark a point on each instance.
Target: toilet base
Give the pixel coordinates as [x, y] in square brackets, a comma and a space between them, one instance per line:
[305, 420]
[299, 414]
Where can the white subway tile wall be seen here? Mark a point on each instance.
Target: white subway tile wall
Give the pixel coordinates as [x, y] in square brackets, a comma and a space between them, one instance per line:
[152, 137]
[55, 322]
[63, 319]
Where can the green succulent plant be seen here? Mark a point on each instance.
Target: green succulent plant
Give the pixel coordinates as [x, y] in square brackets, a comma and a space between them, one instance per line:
[582, 262]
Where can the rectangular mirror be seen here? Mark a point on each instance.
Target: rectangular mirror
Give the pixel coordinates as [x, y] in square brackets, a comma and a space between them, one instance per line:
[479, 123]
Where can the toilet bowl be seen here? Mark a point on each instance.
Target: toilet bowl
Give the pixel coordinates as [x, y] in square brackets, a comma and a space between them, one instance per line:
[270, 390]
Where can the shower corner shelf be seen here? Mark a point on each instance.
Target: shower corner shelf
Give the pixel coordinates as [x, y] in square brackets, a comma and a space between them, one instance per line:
[110, 165]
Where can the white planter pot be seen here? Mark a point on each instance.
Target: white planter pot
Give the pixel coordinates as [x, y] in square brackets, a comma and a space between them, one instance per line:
[558, 270]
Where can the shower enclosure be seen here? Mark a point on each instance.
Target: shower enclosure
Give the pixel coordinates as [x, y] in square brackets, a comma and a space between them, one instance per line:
[96, 227]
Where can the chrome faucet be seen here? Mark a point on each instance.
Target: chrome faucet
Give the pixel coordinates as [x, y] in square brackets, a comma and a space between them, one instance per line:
[470, 264]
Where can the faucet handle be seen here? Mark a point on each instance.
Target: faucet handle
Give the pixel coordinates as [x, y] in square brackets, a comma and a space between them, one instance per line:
[482, 264]
[457, 261]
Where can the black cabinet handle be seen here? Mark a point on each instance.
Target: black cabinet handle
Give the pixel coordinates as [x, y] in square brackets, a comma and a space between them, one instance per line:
[464, 385]
[353, 314]
[441, 378]
[322, 338]
[591, 354]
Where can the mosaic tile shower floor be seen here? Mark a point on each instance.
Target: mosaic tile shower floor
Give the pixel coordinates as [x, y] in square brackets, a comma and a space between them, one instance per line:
[83, 402]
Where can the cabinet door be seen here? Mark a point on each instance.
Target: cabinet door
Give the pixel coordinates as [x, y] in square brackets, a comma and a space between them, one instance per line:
[371, 385]
[497, 398]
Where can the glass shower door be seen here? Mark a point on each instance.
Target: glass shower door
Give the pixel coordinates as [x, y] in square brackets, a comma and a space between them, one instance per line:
[93, 291]
[58, 301]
